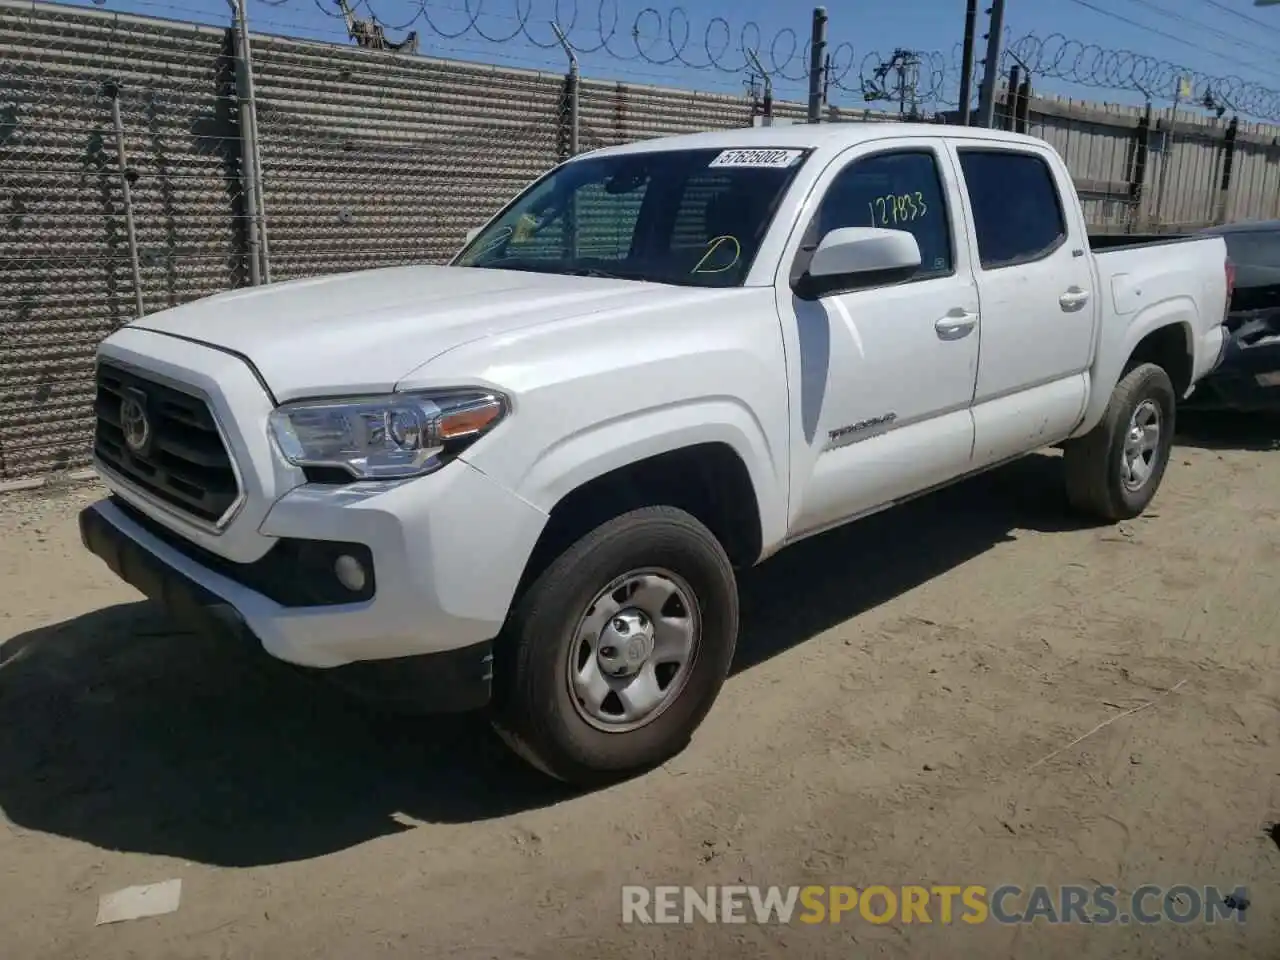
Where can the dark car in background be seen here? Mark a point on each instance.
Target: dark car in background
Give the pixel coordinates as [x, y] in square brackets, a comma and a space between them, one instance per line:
[1248, 379]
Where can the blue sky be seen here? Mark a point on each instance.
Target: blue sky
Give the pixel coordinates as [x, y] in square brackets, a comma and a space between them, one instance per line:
[1213, 38]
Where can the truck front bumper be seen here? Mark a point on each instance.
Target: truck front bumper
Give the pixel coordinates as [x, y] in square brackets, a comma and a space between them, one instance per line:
[445, 556]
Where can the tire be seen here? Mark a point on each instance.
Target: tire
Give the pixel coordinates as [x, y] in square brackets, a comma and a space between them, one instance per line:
[1095, 463]
[537, 713]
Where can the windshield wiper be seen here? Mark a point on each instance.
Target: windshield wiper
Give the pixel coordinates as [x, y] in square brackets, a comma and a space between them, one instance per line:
[558, 268]
[596, 272]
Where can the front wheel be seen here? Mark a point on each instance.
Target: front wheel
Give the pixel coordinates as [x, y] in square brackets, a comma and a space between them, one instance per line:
[1115, 469]
[615, 654]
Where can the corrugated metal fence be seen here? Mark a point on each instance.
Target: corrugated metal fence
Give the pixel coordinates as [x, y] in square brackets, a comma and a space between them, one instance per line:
[122, 176]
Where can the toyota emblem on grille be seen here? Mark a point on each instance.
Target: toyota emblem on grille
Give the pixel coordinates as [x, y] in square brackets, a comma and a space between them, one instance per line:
[134, 423]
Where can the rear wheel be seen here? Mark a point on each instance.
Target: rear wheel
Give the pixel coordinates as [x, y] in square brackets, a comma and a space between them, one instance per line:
[615, 654]
[1114, 470]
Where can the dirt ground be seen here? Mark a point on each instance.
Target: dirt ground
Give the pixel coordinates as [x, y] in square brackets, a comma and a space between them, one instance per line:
[897, 684]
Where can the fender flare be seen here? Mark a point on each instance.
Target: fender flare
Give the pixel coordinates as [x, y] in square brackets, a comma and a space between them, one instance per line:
[608, 445]
[1114, 357]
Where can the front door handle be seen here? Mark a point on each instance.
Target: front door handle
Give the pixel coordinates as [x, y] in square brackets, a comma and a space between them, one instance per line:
[1073, 299]
[956, 324]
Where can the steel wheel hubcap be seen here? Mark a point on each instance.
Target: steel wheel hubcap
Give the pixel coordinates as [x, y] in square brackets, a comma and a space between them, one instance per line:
[633, 649]
[1141, 446]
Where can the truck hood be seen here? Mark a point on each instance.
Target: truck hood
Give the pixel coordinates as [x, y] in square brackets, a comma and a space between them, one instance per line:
[364, 332]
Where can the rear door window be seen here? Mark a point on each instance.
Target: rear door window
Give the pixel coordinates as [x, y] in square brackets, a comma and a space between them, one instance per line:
[1017, 212]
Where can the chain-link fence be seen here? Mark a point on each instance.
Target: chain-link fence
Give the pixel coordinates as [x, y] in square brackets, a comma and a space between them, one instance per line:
[139, 169]
[372, 160]
[119, 186]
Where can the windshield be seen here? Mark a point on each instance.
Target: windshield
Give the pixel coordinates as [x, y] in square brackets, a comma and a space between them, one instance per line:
[691, 217]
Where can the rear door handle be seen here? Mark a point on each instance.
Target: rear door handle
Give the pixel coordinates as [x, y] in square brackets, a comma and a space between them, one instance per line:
[1073, 299]
[956, 324]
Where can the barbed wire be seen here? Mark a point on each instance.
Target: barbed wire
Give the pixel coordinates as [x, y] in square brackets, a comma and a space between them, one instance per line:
[1057, 57]
[665, 38]
[660, 38]
[671, 37]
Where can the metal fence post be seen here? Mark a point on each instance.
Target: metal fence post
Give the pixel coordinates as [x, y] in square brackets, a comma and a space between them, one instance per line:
[966, 66]
[991, 67]
[1139, 148]
[1228, 162]
[817, 65]
[1010, 103]
[1167, 145]
[248, 173]
[1022, 115]
[572, 83]
[251, 154]
[112, 89]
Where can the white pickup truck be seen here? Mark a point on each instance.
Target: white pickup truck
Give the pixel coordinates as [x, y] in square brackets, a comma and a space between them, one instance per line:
[523, 481]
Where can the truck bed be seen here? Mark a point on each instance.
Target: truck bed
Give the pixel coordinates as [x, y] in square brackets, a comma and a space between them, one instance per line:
[1101, 243]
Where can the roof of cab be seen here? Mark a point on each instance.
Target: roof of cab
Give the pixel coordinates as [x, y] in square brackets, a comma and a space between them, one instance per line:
[815, 136]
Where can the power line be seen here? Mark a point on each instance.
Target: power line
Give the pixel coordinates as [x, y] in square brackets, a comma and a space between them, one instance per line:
[1245, 17]
[1197, 25]
[1173, 37]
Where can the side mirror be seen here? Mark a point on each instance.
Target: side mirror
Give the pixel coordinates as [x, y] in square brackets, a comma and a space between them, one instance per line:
[472, 234]
[854, 257]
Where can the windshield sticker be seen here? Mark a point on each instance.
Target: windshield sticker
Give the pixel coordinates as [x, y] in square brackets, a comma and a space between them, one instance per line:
[727, 243]
[773, 159]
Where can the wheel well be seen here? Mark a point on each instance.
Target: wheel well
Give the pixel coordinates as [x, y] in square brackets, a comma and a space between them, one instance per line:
[1166, 347]
[707, 480]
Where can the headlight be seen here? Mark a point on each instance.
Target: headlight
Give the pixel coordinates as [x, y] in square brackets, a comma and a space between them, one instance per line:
[384, 438]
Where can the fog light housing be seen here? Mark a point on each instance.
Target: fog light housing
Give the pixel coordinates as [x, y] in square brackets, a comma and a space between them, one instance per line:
[350, 573]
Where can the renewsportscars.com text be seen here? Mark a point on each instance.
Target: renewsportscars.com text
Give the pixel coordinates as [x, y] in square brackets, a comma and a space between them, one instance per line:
[969, 904]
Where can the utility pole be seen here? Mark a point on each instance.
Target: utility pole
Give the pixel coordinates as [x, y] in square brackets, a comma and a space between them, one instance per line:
[966, 65]
[768, 86]
[991, 66]
[905, 65]
[818, 65]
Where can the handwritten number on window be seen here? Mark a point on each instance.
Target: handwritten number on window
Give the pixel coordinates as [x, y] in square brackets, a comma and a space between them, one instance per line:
[896, 208]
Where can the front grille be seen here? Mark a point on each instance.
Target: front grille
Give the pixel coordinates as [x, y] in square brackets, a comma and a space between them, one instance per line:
[181, 459]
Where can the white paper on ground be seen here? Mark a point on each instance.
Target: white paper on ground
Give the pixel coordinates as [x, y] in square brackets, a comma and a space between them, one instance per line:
[131, 903]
